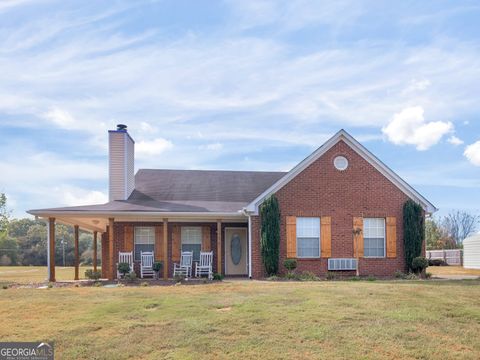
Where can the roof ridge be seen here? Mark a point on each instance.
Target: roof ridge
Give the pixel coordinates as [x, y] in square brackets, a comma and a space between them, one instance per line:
[216, 170]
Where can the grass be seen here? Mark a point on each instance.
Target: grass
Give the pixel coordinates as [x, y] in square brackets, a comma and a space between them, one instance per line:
[251, 319]
[452, 270]
[36, 274]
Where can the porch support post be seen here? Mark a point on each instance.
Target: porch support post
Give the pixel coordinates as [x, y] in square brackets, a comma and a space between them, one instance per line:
[165, 249]
[219, 247]
[77, 258]
[95, 251]
[111, 271]
[51, 249]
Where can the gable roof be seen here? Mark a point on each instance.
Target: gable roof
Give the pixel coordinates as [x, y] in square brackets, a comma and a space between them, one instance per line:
[342, 135]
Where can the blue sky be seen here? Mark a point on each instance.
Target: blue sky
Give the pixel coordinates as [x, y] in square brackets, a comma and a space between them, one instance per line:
[243, 85]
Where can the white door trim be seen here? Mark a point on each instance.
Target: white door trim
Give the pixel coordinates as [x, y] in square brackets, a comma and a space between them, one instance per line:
[225, 246]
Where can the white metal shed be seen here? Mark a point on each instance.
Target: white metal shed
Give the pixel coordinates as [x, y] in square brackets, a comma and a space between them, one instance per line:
[471, 252]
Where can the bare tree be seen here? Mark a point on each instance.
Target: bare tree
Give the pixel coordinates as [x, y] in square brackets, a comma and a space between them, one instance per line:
[460, 224]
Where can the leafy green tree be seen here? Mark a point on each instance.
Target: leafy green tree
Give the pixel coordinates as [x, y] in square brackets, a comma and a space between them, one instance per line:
[270, 234]
[4, 214]
[413, 231]
[8, 250]
[29, 237]
[33, 246]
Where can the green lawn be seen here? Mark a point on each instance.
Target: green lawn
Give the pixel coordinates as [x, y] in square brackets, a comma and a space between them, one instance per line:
[250, 319]
[37, 274]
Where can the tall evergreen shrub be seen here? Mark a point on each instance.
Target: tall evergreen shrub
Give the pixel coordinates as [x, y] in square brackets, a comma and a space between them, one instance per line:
[413, 231]
[270, 234]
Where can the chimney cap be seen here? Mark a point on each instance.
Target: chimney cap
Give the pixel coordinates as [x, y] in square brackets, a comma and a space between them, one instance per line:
[121, 127]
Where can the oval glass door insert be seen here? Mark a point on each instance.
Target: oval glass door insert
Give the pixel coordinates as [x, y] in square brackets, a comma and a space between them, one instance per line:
[236, 249]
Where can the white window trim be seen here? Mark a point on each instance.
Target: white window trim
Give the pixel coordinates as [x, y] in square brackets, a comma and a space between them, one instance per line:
[135, 239]
[319, 239]
[384, 240]
[189, 227]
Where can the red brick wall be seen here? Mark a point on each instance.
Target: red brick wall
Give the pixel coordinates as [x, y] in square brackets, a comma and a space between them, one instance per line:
[119, 241]
[321, 190]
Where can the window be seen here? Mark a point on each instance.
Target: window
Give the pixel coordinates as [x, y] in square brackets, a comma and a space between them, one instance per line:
[340, 163]
[374, 237]
[308, 237]
[192, 240]
[144, 240]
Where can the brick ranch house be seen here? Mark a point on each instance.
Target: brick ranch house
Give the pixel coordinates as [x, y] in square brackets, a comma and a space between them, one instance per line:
[339, 205]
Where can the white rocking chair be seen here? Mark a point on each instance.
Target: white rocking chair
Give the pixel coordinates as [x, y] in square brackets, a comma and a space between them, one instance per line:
[204, 266]
[146, 264]
[125, 257]
[185, 266]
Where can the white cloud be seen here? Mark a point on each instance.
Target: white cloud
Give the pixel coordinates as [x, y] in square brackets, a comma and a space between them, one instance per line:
[77, 196]
[60, 117]
[455, 140]
[472, 153]
[409, 127]
[152, 147]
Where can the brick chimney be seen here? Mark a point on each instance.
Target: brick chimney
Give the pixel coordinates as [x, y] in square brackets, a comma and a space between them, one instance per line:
[121, 150]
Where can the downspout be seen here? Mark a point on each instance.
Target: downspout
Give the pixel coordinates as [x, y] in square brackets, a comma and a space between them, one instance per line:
[246, 213]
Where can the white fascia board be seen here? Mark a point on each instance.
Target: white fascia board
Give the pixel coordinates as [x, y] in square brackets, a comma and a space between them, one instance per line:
[363, 152]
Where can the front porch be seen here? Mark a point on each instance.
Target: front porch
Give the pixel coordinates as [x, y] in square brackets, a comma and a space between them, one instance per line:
[226, 237]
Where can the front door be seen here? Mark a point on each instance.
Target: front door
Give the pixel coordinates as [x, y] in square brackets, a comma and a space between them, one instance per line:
[236, 251]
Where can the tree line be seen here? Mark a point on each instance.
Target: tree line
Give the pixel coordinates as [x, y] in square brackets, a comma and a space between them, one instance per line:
[448, 232]
[24, 241]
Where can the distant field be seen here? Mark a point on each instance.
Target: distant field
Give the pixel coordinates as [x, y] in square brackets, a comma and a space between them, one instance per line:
[36, 274]
[452, 270]
[251, 320]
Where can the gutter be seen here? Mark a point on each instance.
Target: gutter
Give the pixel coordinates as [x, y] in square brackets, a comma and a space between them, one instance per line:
[44, 213]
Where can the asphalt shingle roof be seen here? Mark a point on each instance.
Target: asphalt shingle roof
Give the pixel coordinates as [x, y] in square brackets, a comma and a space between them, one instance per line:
[189, 191]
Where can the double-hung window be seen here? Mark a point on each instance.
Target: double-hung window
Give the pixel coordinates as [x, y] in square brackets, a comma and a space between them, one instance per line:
[144, 240]
[374, 237]
[192, 240]
[308, 237]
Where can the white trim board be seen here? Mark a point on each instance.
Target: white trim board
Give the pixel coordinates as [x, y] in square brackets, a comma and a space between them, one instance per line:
[342, 135]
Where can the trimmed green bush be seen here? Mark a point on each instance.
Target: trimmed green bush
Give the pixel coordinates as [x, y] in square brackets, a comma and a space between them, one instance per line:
[290, 264]
[123, 268]
[157, 267]
[419, 264]
[218, 277]
[270, 234]
[93, 275]
[413, 231]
